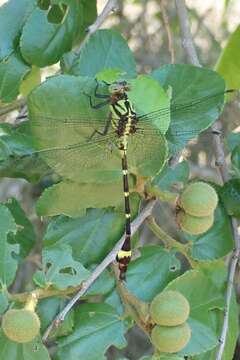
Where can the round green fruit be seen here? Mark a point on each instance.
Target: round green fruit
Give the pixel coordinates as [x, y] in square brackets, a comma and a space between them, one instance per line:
[194, 225]
[199, 199]
[21, 325]
[169, 308]
[171, 339]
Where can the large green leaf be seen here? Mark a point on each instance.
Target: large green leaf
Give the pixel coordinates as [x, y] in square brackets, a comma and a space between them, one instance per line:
[25, 235]
[60, 269]
[228, 64]
[16, 147]
[89, 244]
[97, 327]
[198, 83]
[13, 15]
[8, 263]
[152, 271]
[217, 241]
[55, 39]
[105, 49]
[72, 199]
[12, 72]
[33, 350]
[204, 296]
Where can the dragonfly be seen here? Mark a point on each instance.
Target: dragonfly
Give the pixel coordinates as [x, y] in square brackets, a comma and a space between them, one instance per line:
[122, 137]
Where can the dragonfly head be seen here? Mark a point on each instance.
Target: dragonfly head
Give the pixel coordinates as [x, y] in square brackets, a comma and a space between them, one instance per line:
[119, 87]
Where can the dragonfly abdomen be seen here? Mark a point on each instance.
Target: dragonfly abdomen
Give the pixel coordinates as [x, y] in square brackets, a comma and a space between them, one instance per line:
[124, 255]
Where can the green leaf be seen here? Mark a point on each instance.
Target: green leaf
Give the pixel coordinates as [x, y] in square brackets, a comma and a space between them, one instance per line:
[162, 357]
[60, 269]
[72, 199]
[235, 158]
[13, 15]
[230, 195]
[16, 147]
[88, 16]
[8, 264]
[203, 296]
[228, 64]
[89, 244]
[144, 104]
[233, 140]
[105, 49]
[48, 309]
[217, 241]
[25, 235]
[97, 327]
[170, 178]
[217, 272]
[144, 272]
[32, 79]
[102, 286]
[55, 39]
[12, 72]
[33, 350]
[3, 299]
[198, 83]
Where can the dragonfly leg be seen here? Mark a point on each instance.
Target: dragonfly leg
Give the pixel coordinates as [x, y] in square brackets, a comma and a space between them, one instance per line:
[97, 106]
[97, 95]
[102, 133]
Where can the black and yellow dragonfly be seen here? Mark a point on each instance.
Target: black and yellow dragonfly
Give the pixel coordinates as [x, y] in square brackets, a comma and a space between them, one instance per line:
[124, 136]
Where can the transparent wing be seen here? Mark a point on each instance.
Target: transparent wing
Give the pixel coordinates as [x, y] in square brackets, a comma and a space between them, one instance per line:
[84, 161]
[147, 154]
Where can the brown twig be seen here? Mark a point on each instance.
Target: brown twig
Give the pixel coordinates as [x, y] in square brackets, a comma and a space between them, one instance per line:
[222, 167]
[163, 6]
[13, 106]
[110, 6]
[99, 269]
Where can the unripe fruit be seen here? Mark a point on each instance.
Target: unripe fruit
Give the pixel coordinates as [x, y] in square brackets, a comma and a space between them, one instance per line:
[20, 325]
[171, 339]
[194, 225]
[199, 199]
[169, 308]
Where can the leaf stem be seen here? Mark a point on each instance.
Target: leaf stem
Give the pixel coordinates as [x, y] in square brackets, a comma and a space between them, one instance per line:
[14, 105]
[169, 242]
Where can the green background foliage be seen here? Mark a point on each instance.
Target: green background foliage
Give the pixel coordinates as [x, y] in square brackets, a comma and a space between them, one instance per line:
[77, 194]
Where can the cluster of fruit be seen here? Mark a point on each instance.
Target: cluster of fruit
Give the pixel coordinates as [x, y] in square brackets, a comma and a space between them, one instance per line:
[196, 208]
[169, 312]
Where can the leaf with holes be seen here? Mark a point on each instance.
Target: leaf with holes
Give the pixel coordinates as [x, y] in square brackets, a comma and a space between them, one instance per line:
[25, 236]
[60, 269]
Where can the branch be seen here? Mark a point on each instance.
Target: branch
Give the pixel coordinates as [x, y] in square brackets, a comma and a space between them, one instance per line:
[222, 167]
[168, 30]
[110, 6]
[99, 269]
[15, 105]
